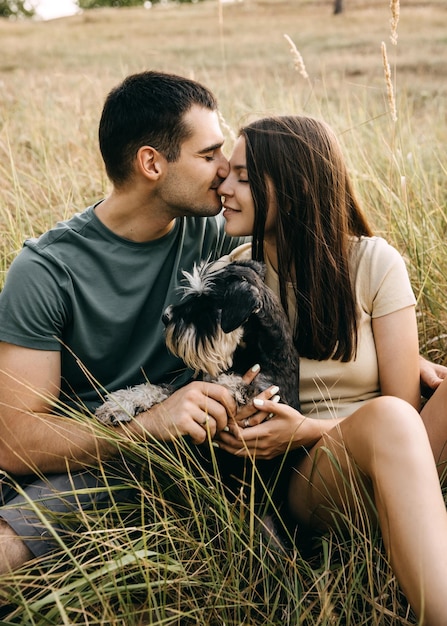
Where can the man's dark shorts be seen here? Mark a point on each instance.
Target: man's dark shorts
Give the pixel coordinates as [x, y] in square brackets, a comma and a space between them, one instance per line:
[43, 511]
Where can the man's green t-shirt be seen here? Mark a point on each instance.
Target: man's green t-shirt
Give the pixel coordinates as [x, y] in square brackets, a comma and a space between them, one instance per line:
[98, 298]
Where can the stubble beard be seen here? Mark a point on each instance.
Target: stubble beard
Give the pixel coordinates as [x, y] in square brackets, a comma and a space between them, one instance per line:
[202, 210]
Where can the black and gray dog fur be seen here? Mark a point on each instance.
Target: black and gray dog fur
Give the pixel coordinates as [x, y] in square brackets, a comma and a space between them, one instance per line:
[226, 321]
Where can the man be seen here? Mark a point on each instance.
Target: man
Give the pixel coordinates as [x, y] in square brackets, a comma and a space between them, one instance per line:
[81, 310]
[80, 313]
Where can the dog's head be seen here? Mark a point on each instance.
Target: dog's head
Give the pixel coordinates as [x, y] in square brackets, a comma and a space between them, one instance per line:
[205, 328]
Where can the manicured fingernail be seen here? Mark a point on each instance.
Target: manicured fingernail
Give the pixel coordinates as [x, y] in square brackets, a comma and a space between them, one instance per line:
[258, 402]
[274, 390]
[215, 444]
[276, 399]
[226, 429]
[256, 368]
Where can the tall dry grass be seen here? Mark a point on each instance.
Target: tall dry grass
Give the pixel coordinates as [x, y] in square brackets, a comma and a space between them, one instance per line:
[192, 557]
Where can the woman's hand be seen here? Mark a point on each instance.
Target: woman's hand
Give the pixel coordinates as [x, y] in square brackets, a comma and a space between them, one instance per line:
[286, 429]
[250, 415]
[432, 375]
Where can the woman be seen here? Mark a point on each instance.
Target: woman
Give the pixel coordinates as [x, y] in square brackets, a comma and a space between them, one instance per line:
[350, 303]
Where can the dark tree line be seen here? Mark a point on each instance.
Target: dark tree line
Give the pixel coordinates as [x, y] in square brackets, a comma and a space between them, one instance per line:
[24, 8]
[21, 8]
[96, 4]
[90, 4]
[15, 8]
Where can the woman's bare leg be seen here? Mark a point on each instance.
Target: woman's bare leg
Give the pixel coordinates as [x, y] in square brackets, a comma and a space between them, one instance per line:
[385, 440]
[434, 416]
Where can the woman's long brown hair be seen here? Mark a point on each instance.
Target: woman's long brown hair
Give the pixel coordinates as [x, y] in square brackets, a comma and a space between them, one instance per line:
[296, 163]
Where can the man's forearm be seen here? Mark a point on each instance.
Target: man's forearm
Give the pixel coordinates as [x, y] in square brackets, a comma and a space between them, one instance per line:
[49, 444]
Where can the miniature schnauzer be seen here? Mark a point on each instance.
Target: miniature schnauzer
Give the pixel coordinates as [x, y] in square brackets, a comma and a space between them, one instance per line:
[226, 321]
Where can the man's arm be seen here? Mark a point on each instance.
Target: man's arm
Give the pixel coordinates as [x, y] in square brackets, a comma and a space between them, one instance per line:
[34, 439]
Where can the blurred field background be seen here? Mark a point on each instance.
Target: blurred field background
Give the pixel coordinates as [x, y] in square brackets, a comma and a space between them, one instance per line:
[54, 77]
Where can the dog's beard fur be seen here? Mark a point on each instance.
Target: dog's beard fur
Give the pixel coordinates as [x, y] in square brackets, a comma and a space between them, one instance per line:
[200, 353]
[213, 301]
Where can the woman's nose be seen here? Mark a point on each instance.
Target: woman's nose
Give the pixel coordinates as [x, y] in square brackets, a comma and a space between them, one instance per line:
[223, 189]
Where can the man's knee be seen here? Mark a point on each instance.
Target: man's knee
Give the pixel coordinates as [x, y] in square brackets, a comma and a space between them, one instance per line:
[13, 551]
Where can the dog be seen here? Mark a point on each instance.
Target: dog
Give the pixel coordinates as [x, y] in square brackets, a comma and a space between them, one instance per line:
[226, 321]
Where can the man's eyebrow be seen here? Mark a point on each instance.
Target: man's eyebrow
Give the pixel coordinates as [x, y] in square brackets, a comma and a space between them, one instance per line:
[216, 146]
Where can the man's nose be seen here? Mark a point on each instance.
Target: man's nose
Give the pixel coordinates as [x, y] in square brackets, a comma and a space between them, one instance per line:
[224, 168]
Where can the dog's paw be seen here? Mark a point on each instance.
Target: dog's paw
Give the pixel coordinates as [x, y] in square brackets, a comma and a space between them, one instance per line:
[242, 392]
[234, 383]
[124, 404]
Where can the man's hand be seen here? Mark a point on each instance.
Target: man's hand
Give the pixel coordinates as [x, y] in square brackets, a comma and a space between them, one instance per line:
[200, 410]
[432, 375]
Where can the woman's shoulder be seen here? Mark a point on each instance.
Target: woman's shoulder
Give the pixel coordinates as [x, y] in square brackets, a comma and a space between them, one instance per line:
[381, 276]
[370, 243]
[241, 253]
[374, 249]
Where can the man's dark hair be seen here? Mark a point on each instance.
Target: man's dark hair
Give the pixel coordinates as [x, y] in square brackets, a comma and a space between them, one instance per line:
[147, 109]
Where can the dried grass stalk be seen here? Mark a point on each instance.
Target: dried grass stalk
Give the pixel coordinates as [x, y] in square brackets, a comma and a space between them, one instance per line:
[389, 84]
[298, 59]
[395, 13]
[227, 127]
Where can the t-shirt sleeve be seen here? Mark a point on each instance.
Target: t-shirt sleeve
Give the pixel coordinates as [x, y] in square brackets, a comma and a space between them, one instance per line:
[387, 286]
[241, 253]
[32, 304]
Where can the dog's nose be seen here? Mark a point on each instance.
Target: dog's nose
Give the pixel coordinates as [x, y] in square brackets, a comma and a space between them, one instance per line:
[167, 316]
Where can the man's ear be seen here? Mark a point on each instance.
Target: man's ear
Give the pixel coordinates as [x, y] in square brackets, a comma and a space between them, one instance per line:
[150, 162]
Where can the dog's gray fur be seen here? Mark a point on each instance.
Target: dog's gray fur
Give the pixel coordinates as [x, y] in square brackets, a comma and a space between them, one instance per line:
[226, 321]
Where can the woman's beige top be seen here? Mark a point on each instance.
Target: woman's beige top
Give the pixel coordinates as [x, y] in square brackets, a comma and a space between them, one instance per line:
[382, 286]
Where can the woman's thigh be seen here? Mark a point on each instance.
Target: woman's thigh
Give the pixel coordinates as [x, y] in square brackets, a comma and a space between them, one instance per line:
[342, 471]
[328, 481]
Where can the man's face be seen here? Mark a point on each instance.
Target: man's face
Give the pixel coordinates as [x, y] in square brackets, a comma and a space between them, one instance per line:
[190, 184]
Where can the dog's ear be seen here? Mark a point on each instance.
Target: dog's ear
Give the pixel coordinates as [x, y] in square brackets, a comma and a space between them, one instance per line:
[240, 301]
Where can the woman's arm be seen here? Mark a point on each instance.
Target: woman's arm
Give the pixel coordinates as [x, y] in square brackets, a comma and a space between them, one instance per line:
[397, 346]
[287, 430]
[432, 375]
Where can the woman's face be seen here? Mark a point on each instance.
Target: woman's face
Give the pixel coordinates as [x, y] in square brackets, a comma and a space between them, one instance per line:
[239, 208]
